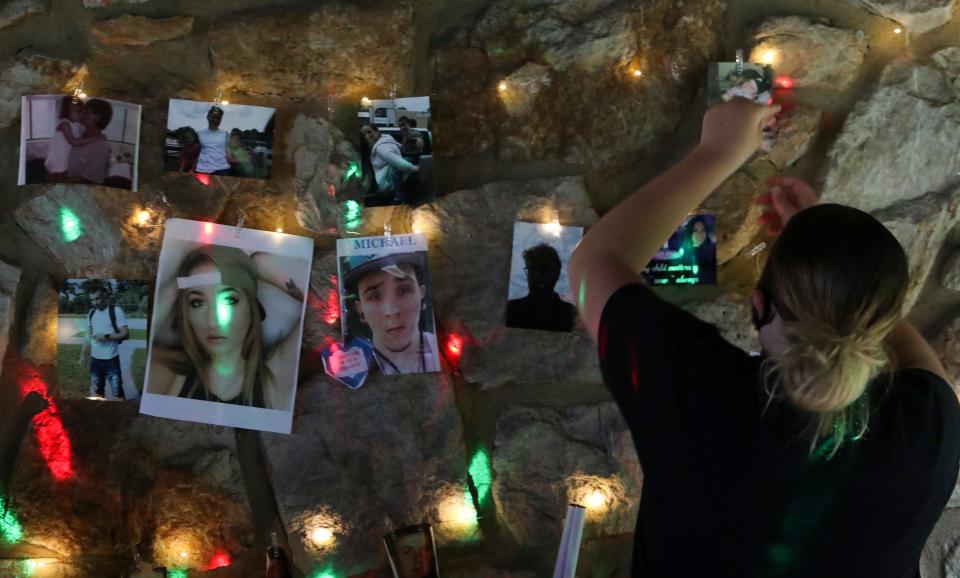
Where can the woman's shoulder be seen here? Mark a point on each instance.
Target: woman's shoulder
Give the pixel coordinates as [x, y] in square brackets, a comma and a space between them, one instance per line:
[918, 389]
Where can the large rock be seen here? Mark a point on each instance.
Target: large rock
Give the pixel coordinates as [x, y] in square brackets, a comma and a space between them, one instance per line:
[899, 143]
[464, 98]
[544, 459]
[102, 3]
[342, 48]
[594, 112]
[128, 30]
[321, 157]
[128, 477]
[810, 52]
[947, 346]
[93, 231]
[208, 451]
[523, 86]
[737, 214]
[918, 16]
[796, 129]
[941, 553]
[922, 225]
[948, 59]
[40, 326]
[9, 279]
[360, 462]
[70, 225]
[31, 74]
[14, 11]
[474, 228]
[950, 278]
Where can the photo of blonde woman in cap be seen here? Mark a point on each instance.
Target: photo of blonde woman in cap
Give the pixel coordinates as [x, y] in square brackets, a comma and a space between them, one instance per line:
[228, 325]
[386, 301]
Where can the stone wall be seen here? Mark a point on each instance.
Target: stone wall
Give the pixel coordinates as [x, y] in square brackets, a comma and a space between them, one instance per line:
[523, 424]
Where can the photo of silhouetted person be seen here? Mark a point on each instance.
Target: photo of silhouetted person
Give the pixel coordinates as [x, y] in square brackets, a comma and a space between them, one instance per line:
[542, 308]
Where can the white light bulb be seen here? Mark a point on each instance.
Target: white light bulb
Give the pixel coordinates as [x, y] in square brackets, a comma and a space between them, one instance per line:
[322, 536]
[596, 500]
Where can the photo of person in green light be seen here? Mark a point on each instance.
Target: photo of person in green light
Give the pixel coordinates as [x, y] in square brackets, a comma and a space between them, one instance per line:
[229, 315]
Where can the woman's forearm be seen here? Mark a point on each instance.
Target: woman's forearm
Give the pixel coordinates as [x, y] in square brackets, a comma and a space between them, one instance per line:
[618, 246]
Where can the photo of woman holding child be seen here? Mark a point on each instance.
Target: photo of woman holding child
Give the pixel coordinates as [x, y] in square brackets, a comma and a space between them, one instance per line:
[67, 139]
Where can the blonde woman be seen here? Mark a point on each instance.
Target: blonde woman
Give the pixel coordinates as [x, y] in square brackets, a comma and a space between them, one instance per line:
[834, 453]
[224, 329]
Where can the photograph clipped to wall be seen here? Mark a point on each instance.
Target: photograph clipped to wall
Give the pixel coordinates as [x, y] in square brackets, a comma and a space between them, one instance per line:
[227, 325]
[386, 302]
[66, 139]
[689, 257]
[539, 295]
[396, 151]
[102, 338]
[232, 140]
[725, 81]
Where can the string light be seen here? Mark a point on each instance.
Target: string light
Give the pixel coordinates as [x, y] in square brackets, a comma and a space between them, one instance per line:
[279, 229]
[11, 531]
[143, 216]
[454, 348]
[898, 30]
[365, 102]
[458, 513]
[322, 536]
[481, 474]
[220, 559]
[784, 82]
[553, 227]
[768, 57]
[595, 500]
[55, 446]
[502, 86]
[70, 227]
[208, 228]
[637, 73]
[78, 92]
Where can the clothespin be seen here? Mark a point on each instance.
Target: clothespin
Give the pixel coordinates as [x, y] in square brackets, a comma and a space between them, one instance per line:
[239, 228]
[78, 93]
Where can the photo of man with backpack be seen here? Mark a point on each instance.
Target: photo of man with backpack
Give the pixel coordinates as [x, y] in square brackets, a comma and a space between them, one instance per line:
[106, 330]
[101, 338]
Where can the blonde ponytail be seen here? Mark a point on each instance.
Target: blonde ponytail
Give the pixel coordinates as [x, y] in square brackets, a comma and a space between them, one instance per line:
[826, 373]
[837, 279]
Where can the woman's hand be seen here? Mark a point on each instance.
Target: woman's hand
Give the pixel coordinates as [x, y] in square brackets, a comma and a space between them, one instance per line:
[787, 197]
[733, 131]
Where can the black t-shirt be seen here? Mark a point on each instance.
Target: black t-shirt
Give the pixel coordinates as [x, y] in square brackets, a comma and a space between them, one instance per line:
[731, 490]
[554, 315]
